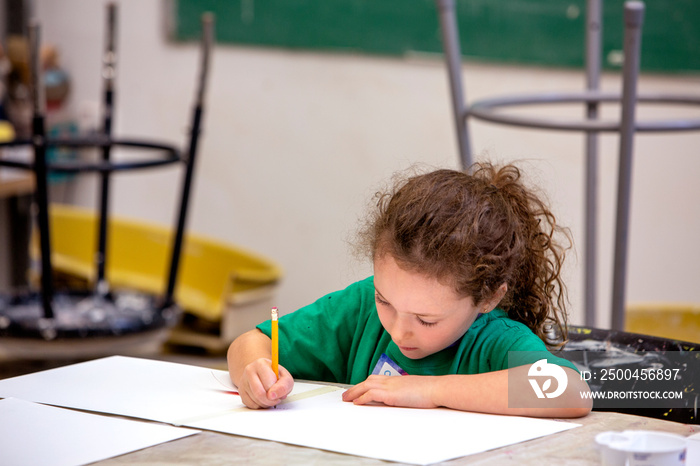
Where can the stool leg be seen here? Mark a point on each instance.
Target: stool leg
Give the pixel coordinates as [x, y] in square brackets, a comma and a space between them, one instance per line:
[108, 74]
[181, 222]
[40, 172]
[634, 16]
[453, 57]
[593, 63]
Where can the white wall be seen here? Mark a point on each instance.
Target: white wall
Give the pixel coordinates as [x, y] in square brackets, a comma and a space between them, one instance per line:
[295, 143]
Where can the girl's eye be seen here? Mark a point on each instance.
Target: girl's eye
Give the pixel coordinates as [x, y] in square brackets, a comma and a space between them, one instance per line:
[380, 300]
[427, 324]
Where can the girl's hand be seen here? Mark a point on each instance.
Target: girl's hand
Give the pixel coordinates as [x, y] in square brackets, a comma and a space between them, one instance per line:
[259, 387]
[409, 391]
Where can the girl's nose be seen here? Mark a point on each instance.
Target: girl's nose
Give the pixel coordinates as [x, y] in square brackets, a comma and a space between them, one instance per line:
[401, 330]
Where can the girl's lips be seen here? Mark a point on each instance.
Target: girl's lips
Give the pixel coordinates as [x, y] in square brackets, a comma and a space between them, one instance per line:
[406, 348]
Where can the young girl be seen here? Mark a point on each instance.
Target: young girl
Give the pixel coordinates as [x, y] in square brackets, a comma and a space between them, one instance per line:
[465, 293]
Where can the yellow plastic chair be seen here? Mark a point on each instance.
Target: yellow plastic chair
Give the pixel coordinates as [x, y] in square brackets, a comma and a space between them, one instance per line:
[673, 321]
[212, 275]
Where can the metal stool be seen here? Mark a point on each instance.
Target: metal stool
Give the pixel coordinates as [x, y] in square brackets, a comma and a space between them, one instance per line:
[592, 97]
[92, 322]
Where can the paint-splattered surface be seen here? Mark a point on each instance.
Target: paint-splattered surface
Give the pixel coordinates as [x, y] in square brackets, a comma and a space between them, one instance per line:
[592, 349]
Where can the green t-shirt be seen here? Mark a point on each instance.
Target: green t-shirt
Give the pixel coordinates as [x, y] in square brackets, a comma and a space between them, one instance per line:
[339, 338]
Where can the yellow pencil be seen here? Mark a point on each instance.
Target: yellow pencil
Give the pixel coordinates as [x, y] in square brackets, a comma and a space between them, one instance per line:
[275, 343]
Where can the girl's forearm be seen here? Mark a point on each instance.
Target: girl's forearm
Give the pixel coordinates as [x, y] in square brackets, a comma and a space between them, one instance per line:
[489, 393]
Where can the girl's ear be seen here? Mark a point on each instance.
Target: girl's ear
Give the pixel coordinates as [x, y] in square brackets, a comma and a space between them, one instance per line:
[491, 304]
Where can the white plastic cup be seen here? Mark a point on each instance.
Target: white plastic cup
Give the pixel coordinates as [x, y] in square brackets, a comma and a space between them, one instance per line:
[693, 455]
[642, 448]
[609, 455]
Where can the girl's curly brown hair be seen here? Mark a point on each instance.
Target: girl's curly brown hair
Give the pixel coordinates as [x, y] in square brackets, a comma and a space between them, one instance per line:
[475, 231]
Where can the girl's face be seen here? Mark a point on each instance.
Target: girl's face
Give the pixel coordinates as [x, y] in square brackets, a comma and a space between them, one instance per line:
[422, 315]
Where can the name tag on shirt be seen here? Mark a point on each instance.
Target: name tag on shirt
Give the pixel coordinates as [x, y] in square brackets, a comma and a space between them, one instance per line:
[385, 366]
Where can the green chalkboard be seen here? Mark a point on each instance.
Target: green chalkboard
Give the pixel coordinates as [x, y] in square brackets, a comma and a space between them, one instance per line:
[543, 32]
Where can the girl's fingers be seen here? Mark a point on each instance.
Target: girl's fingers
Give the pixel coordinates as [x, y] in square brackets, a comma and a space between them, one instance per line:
[282, 387]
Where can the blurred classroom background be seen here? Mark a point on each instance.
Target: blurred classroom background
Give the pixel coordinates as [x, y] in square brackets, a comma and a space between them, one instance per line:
[296, 140]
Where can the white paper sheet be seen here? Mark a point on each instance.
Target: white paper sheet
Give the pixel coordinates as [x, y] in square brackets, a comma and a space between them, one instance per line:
[134, 387]
[32, 434]
[314, 415]
[405, 435]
